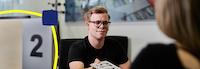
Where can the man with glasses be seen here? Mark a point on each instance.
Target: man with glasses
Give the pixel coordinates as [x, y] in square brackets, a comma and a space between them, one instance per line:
[96, 47]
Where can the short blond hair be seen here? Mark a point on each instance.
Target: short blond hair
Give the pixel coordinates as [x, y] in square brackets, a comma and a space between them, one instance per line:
[98, 10]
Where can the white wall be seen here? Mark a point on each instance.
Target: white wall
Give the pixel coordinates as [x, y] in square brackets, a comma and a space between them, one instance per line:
[31, 5]
[139, 33]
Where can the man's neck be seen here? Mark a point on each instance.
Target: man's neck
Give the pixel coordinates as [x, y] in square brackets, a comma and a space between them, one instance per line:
[96, 43]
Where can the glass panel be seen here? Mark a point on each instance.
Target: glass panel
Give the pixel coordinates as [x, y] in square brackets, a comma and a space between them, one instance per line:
[30, 5]
[7, 4]
[120, 10]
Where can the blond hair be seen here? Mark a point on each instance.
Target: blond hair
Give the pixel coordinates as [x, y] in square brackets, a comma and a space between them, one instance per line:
[180, 20]
[97, 10]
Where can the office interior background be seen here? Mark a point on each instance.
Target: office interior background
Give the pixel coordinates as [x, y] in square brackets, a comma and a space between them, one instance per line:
[132, 18]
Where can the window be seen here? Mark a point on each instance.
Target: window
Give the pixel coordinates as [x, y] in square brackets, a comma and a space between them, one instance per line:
[119, 10]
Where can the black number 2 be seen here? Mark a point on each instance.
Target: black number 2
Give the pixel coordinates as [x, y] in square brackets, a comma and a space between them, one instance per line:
[34, 52]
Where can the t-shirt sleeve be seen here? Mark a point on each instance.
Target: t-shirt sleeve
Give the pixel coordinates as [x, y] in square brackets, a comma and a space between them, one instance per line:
[75, 53]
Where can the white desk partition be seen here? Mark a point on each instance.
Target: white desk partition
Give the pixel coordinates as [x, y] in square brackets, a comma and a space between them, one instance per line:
[10, 44]
[25, 44]
[37, 45]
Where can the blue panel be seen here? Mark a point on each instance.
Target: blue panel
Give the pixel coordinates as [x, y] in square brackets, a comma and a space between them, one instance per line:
[50, 17]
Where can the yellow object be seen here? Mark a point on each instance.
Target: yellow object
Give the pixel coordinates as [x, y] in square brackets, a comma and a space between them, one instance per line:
[52, 29]
[21, 11]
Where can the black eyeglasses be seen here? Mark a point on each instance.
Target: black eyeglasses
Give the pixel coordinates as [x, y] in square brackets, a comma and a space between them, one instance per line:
[98, 23]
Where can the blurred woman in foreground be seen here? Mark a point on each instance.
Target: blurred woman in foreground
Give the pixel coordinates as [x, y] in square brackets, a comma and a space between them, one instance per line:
[179, 20]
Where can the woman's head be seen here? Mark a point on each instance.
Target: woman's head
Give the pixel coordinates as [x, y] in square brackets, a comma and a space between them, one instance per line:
[180, 20]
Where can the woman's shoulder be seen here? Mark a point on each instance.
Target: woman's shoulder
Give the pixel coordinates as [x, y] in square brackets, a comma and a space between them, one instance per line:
[159, 50]
[158, 56]
[160, 47]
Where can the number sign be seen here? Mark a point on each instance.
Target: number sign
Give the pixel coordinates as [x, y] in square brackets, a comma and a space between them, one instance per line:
[37, 45]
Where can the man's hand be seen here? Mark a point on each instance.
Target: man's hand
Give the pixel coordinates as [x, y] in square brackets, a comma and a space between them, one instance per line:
[96, 61]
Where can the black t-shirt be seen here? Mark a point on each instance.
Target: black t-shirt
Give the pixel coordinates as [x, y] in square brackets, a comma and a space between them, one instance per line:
[112, 51]
[158, 56]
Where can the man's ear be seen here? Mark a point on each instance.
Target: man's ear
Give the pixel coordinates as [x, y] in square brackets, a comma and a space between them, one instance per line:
[86, 22]
[85, 19]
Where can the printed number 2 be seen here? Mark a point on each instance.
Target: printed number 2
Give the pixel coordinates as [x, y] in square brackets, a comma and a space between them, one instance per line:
[34, 52]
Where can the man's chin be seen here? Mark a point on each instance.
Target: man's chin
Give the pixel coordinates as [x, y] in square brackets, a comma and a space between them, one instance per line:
[101, 37]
